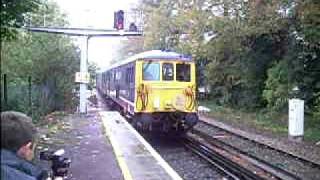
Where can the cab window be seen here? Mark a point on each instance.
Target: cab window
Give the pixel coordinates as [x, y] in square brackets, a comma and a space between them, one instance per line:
[183, 72]
[151, 71]
[167, 71]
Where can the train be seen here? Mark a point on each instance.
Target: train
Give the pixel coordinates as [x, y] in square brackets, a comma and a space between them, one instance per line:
[155, 90]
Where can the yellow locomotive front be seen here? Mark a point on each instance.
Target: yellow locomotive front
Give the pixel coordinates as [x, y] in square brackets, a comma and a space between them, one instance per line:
[165, 97]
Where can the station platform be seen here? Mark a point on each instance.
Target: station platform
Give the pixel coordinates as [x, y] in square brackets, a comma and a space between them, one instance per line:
[102, 145]
[137, 160]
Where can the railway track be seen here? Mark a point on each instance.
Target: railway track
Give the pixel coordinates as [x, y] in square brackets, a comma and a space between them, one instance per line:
[241, 164]
[225, 165]
[313, 164]
[273, 158]
[188, 165]
[254, 168]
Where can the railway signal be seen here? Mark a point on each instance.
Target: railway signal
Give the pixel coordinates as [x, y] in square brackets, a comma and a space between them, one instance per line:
[86, 34]
[133, 27]
[119, 20]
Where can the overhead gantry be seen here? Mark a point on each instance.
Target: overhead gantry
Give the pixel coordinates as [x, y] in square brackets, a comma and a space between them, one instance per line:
[85, 34]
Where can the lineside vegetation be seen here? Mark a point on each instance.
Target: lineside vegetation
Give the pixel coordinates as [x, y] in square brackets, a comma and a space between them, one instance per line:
[49, 60]
[254, 52]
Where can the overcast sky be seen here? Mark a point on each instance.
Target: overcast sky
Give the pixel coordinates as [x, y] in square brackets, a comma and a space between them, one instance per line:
[96, 14]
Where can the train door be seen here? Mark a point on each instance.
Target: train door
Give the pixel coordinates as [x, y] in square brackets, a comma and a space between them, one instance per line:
[118, 78]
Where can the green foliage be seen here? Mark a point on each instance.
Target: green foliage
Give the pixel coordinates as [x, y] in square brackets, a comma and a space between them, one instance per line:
[18, 104]
[92, 70]
[128, 47]
[257, 50]
[276, 89]
[316, 112]
[254, 53]
[308, 18]
[51, 61]
[160, 25]
[48, 15]
[51, 65]
[262, 120]
[13, 15]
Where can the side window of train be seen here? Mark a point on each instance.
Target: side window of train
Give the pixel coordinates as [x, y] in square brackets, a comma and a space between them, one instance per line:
[128, 75]
[118, 75]
[183, 72]
[131, 74]
[151, 71]
[167, 72]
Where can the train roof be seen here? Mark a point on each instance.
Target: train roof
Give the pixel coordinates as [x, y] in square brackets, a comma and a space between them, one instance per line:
[154, 54]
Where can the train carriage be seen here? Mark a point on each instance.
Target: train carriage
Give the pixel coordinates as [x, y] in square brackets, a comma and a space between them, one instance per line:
[156, 89]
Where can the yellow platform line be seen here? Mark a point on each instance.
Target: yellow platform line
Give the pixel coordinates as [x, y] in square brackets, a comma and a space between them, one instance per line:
[119, 156]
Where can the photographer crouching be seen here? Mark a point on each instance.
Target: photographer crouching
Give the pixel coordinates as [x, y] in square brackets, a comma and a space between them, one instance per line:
[18, 141]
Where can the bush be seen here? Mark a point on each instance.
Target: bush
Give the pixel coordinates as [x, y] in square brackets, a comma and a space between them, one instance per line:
[316, 112]
[276, 87]
[17, 98]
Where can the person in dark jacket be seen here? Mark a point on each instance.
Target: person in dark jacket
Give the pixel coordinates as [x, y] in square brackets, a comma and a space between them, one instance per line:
[18, 137]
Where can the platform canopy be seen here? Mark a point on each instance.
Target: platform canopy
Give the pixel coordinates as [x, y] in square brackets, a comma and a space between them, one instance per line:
[83, 31]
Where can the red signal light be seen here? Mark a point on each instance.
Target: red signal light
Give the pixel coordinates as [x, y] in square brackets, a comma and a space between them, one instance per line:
[119, 20]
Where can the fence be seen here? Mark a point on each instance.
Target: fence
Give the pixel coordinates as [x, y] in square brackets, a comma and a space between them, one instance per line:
[21, 94]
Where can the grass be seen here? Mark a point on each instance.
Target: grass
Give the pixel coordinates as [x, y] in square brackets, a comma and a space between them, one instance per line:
[263, 120]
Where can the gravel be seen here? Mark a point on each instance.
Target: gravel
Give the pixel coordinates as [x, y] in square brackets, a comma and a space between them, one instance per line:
[188, 165]
[306, 149]
[279, 159]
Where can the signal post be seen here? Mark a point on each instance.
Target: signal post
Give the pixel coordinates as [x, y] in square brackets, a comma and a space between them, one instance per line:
[83, 72]
[85, 33]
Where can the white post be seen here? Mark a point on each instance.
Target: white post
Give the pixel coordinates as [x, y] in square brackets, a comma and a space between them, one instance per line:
[84, 70]
[44, 20]
[296, 119]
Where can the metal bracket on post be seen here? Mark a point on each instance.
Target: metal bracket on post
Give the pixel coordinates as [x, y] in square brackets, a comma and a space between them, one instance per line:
[84, 70]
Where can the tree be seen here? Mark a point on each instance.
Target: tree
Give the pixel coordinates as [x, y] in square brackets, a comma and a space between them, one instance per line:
[159, 26]
[51, 60]
[92, 70]
[13, 15]
[127, 48]
[257, 50]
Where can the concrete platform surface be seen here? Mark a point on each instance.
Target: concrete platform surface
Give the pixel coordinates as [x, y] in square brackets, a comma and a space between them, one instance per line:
[82, 138]
[94, 158]
[136, 158]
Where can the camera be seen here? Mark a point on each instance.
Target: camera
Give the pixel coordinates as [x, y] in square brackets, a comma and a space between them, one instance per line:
[59, 164]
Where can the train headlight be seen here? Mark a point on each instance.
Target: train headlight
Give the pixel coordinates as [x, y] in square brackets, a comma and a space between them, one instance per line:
[156, 103]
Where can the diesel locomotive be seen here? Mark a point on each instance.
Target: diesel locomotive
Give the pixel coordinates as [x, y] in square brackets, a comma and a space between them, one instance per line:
[154, 89]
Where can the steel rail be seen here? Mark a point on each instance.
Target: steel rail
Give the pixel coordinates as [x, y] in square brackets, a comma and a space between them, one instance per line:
[304, 160]
[227, 166]
[270, 168]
